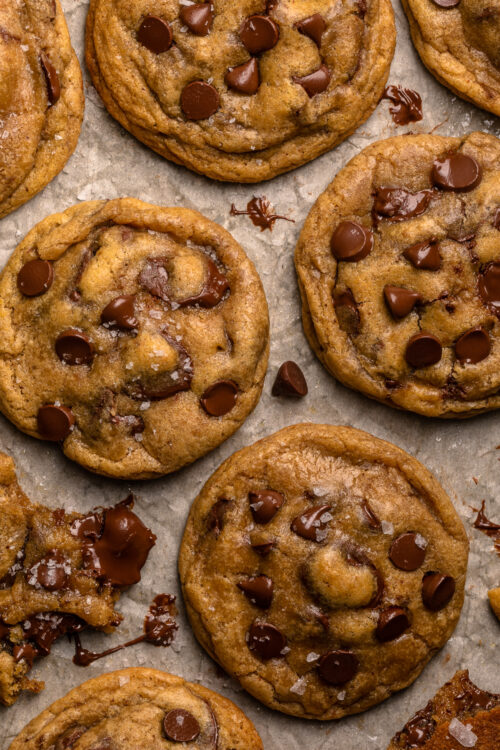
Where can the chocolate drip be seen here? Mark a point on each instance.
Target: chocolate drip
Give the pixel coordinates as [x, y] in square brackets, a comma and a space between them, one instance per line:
[258, 209]
[407, 104]
[488, 527]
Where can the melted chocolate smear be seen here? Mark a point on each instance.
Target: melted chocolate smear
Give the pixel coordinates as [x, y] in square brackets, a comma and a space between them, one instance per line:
[407, 104]
[398, 204]
[419, 729]
[258, 209]
[490, 528]
[163, 385]
[214, 288]
[473, 697]
[46, 627]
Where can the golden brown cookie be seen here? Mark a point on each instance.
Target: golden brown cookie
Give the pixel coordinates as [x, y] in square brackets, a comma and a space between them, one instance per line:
[135, 335]
[458, 42]
[240, 91]
[323, 568]
[41, 98]
[140, 709]
[399, 271]
[460, 715]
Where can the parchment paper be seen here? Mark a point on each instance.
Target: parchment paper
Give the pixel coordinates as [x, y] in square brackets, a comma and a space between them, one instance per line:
[110, 163]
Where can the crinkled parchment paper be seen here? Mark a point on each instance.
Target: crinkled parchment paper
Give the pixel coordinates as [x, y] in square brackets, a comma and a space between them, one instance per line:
[110, 163]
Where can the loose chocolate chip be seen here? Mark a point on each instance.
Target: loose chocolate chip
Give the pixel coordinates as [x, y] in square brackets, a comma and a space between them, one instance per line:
[424, 255]
[214, 288]
[199, 100]
[35, 277]
[400, 301]
[473, 346]
[258, 590]
[489, 286]
[290, 381]
[347, 311]
[408, 551]
[155, 34]
[119, 313]
[259, 34]
[51, 79]
[398, 204]
[316, 82]
[437, 590]
[392, 622]
[446, 3]
[74, 347]
[55, 422]
[198, 18]
[51, 572]
[351, 241]
[181, 726]
[456, 172]
[313, 27]
[264, 505]
[219, 398]
[312, 523]
[423, 350]
[338, 667]
[244, 78]
[266, 640]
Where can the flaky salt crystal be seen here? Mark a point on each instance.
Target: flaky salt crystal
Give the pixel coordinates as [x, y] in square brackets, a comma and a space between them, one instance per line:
[462, 733]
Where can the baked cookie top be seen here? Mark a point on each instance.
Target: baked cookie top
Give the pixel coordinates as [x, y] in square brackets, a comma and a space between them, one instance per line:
[140, 709]
[240, 91]
[399, 272]
[459, 715]
[458, 41]
[136, 335]
[41, 98]
[323, 567]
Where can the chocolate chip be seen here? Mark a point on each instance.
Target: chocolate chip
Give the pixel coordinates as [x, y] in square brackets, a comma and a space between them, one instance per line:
[265, 640]
[423, 350]
[154, 278]
[199, 100]
[398, 204]
[347, 311]
[437, 590]
[74, 347]
[55, 422]
[424, 255]
[473, 346]
[408, 551]
[316, 82]
[312, 523]
[400, 301]
[35, 277]
[215, 518]
[181, 726]
[25, 652]
[392, 622]
[263, 548]
[244, 78]
[446, 3]
[489, 286]
[259, 34]
[162, 385]
[290, 381]
[219, 398]
[119, 313]
[351, 241]
[419, 729]
[51, 572]
[155, 34]
[265, 504]
[198, 18]
[313, 27]
[371, 517]
[214, 288]
[456, 172]
[51, 79]
[338, 667]
[258, 590]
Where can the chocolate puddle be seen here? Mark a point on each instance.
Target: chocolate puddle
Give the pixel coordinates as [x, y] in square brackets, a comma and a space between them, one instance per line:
[490, 528]
[407, 104]
[258, 209]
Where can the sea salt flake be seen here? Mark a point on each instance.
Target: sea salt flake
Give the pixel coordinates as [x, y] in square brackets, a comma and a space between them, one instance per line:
[462, 733]
[299, 687]
[387, 527]
[312, 656]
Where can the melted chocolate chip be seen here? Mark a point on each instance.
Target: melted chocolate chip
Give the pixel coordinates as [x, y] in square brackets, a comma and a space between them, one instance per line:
[155, 34]
[45, 628]
[159, 624]
[407, 104]
[198, 18]
[55, 422]
[314, 27]
[162, 385]
[456, 172]
[214, 288]
[312, 524]
[263, 548]
[154, 278]
[424, 255]
[215, 518]
[265, 640]
[423, 350]
[347, 311]
[473, 697]
[351, 241]
[35, 277]
[199, 100]
[473, 346]
[400, 301]
[4, 630]
[371, 517]
[419, 729]
[265, 504]
[74, 347]
[338, 667]
[51, 572]
[258, 590]
[489, 287]
[259, 211]
[290, 381]
[68, 739]
[259, 34]
[392, 623]
[219, 398]
[244, 78]
[437, 590]
[316, 82]
[119, 313]
[408, 551]
[25, 652]
[180, 726]
[51, 79]
[398, 204]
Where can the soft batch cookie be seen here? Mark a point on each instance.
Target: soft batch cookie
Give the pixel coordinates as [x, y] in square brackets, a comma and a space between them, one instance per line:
[240, 91]
[41, 98]
[134, 335]
[323, 568]
[140, 709]
[458, 42]
[399, 271]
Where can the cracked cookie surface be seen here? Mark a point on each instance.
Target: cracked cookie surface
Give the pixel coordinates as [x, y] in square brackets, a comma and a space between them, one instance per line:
[399, 271]
[41, 98]
[240, 91]
[134, 335]
[323, 568]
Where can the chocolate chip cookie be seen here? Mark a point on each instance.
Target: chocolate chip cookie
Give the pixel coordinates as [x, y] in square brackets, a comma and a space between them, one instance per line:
[140, 709]
[135, 336]
[240, 91]
[459, 715]
[60, 572]
[323, 568]
[399, 271]
[458, 42]
[41, 98]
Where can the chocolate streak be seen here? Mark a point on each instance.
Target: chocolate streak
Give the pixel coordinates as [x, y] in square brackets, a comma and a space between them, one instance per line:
[488, 527]
[407, 104]
[259, 213]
